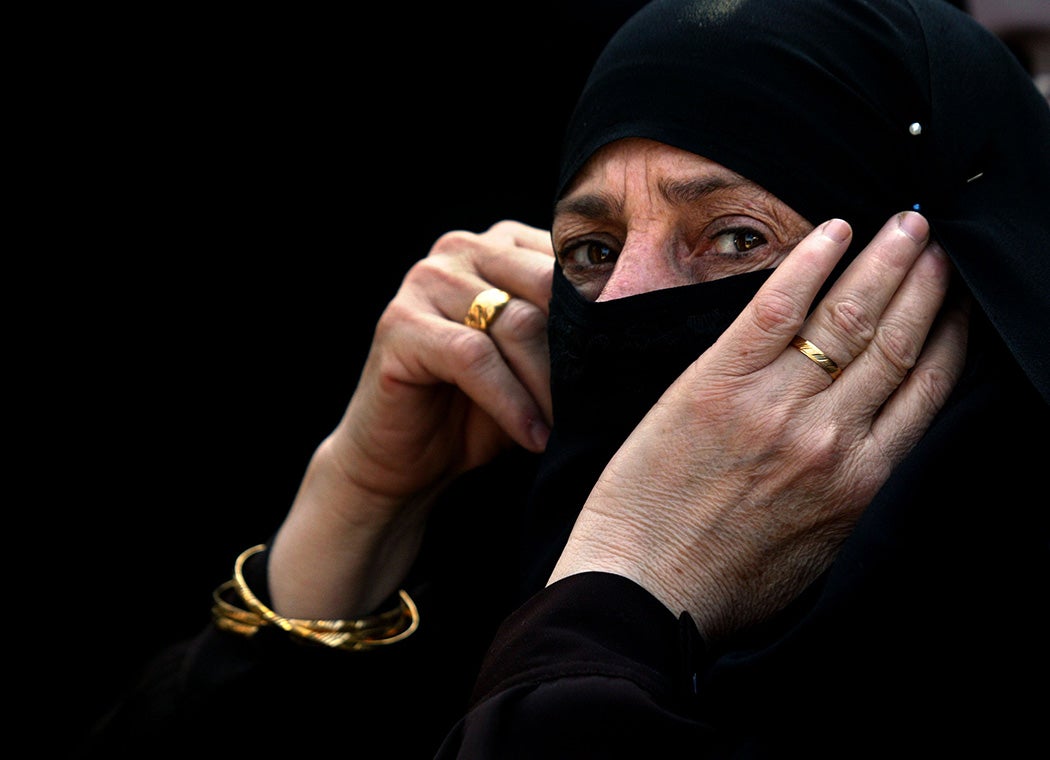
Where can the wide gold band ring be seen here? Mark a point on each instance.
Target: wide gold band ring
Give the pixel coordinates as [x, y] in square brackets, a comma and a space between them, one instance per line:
[485, 307]
[821, 359]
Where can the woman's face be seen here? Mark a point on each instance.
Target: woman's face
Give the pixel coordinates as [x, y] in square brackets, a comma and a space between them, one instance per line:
[642, 216]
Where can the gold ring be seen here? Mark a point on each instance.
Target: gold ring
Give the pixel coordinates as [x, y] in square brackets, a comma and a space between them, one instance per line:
[485, 307]
[819, 357]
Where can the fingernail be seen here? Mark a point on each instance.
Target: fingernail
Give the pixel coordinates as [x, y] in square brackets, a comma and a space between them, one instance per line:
[914, 225]
[837, 230]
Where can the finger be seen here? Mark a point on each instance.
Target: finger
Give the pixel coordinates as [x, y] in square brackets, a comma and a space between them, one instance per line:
[525, 269]
[907, 414]
[513, 391]
[877, 371]
[519, 332]
[518, 259]
[525, 236]
[844, 322]
[520, 335]
[516, 334]
[779, 307]
[431, 349]
[515, 257]
[518, 329]
[461, 264]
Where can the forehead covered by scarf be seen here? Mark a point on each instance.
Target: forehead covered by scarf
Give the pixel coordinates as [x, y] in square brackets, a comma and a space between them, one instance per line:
[856, 109]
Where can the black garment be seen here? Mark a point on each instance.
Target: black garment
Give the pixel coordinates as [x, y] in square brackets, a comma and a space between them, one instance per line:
[926, 637]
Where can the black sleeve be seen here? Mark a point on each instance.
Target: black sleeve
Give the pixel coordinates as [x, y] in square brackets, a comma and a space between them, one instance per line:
[592, 666]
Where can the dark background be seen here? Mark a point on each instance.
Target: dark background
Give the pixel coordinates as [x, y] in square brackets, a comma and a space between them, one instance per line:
[226, 202]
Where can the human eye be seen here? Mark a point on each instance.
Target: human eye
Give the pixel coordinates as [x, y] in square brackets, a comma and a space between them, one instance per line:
[588, 262]
[581, 255]
[737, 242]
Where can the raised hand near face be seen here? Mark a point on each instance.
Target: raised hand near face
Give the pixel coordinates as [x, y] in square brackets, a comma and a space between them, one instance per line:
[437, 397]
[738, 487]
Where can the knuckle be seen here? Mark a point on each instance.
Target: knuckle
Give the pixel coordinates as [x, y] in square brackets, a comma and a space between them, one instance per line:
[400, 330]
[504, 227]
[897, 346]
[933, 383]
[520, 318]
[454, 241]
[775, 308]
[475, 351]
[824, 448]
[849, 318]
[393, 316]
[426, 272]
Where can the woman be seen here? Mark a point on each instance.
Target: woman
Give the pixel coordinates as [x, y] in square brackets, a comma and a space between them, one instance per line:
[729, 543]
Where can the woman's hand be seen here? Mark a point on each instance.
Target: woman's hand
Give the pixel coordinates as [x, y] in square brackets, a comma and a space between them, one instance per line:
[435, 399]
[738, 487]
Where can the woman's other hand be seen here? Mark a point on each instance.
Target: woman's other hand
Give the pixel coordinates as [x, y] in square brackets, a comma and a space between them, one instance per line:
[436, 398]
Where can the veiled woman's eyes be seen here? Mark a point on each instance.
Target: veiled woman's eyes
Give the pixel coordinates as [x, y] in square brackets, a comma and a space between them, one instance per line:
[581, 255]
[738, 241]
[588, 253]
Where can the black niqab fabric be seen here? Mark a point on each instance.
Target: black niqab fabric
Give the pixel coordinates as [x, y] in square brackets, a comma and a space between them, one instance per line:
[610, 362]
[941, 590]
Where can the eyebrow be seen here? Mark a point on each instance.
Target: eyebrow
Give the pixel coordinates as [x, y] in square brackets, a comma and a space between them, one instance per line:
[693, 190]
[591, 206]
[679, 192]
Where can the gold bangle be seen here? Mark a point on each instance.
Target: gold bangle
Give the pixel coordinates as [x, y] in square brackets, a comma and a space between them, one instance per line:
[229, 616]
[380, 629]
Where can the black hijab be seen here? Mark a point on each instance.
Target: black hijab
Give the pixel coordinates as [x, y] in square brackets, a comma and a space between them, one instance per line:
[856, 109]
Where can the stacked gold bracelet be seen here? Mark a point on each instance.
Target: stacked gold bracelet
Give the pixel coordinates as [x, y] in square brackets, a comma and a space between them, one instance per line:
[238, 610]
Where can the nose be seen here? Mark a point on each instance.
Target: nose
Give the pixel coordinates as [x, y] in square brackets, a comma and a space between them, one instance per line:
[646, 262]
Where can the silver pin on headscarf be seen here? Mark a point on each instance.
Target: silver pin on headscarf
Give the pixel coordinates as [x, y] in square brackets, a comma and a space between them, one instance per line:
[915, 129]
